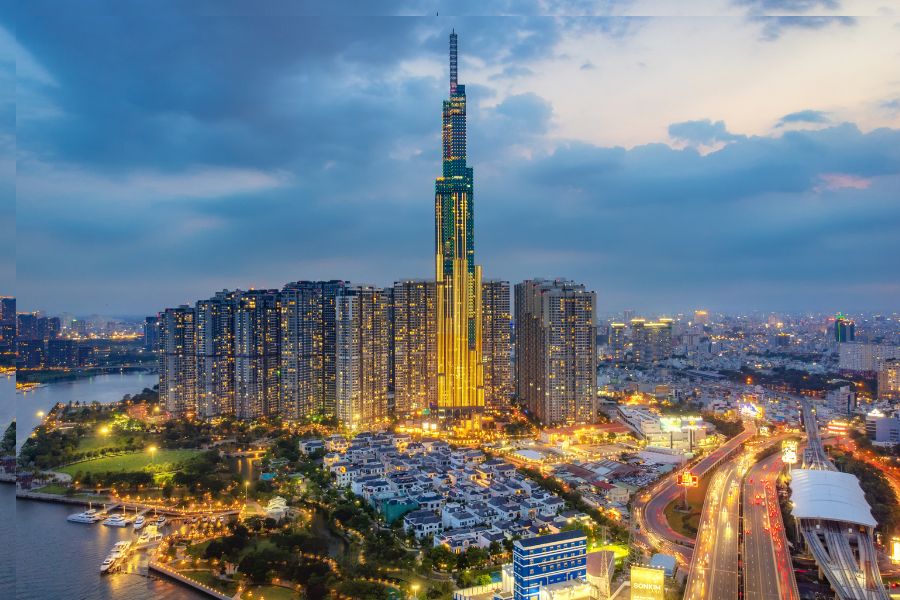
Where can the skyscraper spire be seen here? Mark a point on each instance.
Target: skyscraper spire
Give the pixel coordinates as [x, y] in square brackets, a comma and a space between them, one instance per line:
[458, 279]
[453, 62]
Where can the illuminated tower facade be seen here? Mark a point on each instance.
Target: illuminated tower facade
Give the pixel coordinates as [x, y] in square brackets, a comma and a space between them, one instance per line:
[458, 278]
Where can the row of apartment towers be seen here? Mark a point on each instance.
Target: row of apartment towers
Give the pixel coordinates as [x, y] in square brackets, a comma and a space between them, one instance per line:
[364, 354]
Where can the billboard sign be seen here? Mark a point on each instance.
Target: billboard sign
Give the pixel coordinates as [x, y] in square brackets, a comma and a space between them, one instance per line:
[647, 583]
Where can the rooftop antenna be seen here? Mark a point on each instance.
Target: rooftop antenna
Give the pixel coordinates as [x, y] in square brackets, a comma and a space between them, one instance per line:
[453, 62]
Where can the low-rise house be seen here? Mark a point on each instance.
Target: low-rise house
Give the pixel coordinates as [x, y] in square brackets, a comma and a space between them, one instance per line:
[422, 523]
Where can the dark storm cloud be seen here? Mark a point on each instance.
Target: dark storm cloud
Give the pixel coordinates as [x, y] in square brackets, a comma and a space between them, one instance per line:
[761, 222]
[7, 171]
[174, 157]
[804, 116]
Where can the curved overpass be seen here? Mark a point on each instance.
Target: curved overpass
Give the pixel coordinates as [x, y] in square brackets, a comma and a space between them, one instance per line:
[649, 508]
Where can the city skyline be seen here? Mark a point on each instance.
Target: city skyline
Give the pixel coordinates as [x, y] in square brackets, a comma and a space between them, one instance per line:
[653, 188]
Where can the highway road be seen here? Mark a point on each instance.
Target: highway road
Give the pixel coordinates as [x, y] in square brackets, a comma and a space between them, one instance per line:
[653, 530]
[768, 573]
[714, 568]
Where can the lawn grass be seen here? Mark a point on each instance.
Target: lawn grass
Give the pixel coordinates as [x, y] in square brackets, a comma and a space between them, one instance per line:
[686, 523]
[197, 550]
[52, 489]
[272, 592]
[164, 461]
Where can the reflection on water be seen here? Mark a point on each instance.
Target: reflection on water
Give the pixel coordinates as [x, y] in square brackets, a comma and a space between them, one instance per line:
[60, 560]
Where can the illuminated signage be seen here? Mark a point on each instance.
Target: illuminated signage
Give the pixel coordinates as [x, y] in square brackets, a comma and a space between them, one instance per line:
[751, 410]
[895, 554]
[670, 424]
[688, 479]
[647, 583]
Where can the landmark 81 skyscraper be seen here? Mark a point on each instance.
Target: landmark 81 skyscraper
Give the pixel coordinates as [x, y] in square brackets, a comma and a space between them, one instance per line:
[459, 357]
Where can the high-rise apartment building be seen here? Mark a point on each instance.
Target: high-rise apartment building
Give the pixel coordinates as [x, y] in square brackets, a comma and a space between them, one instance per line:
[496, 345]
[177, 361]
[651, 341]
[362, 343]
[308, 380]
[616, 341]
[889, 379]
[459, 364]
[151, 334]
[556, 350]
[844, 329]
[216, 354]
[546, 560]
[414, 346]
[257, 354]
[7, 331]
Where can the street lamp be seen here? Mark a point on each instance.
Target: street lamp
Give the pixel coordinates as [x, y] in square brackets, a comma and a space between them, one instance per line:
[152, 450]
[246, 491]
[415, 590]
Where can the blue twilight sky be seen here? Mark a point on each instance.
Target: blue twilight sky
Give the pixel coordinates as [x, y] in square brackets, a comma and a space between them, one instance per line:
[733, 154]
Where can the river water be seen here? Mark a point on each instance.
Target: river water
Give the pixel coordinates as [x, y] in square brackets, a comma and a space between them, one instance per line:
[55, 559]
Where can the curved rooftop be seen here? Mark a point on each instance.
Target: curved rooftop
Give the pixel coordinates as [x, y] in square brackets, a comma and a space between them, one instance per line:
[829, 495]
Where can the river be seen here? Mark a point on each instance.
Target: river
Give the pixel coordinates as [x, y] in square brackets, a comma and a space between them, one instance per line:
[100, 388]
[60, 560]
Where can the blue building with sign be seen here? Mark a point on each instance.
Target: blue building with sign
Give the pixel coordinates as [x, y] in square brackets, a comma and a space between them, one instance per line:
[546, 560]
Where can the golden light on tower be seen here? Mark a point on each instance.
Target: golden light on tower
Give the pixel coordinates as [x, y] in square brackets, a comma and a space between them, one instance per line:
[460, 376]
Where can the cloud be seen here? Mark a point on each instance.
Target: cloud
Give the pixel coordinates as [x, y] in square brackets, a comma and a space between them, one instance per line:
[892, 106]
[191, 154]
[587, 66]
[703, 132]
[512, 72]
[788, 6]
[842, 181]
[803, 116]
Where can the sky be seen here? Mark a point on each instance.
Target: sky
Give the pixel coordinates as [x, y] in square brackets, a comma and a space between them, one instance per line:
[728, 154]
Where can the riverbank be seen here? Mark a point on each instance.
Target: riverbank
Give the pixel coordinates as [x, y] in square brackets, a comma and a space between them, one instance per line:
[47, 376]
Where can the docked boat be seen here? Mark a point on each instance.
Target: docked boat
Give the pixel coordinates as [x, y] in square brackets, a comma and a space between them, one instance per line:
[107, 564]
[139, 522]
[116, 521]
[89, 517]
[160, 521]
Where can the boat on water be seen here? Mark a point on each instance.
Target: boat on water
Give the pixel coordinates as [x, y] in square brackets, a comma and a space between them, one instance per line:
[89, 517]
[107, 564]
[160, 520]
[149, 537]
[117, 521]
[119, 551]
[139, 522]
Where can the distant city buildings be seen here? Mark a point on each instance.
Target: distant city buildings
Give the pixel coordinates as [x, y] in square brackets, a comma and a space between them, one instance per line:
[844, 329]
[861, 357]
[616, 341]
[151, 334]
[651, 340]
[556, 350]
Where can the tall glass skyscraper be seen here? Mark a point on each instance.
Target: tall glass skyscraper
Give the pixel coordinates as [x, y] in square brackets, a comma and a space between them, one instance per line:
[459, 361]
